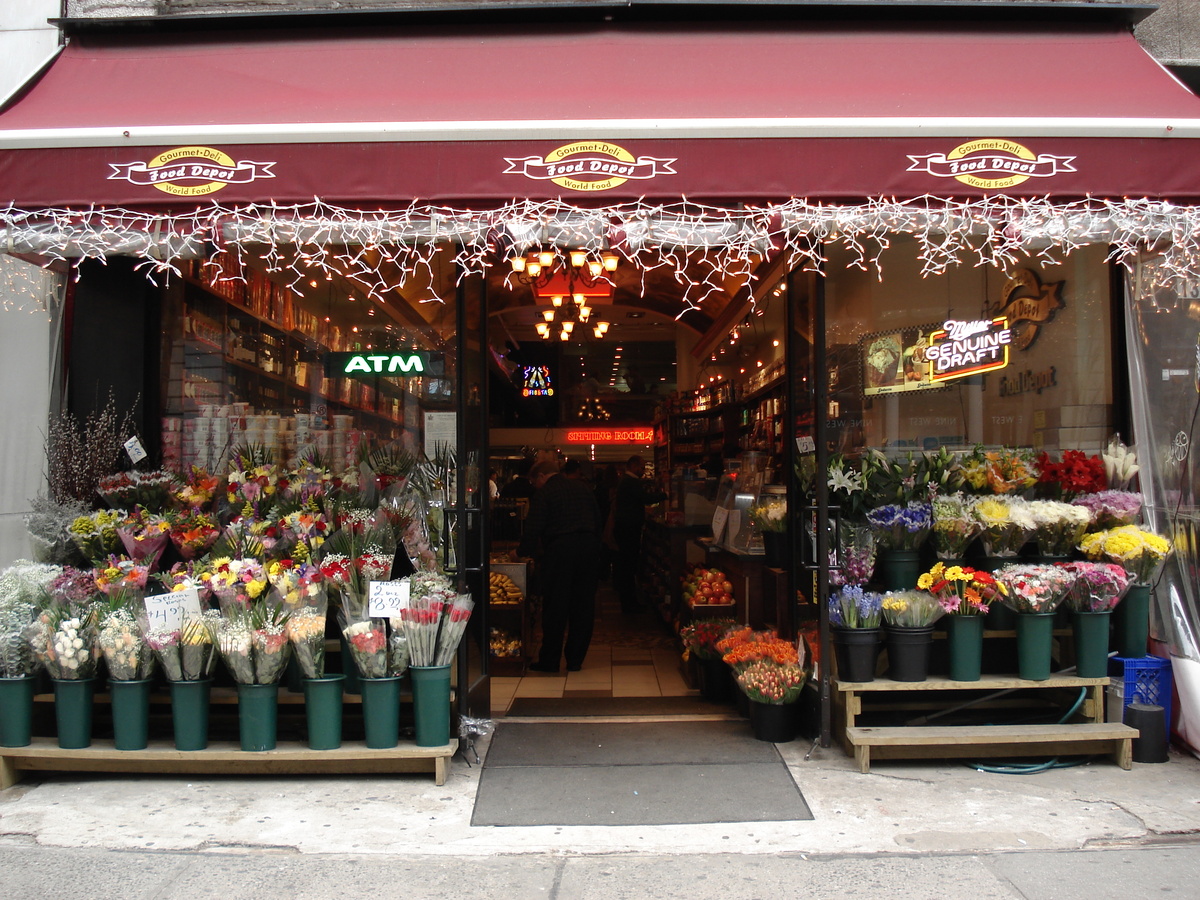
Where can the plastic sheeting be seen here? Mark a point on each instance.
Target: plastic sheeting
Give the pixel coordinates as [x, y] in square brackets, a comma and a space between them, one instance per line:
[1163, 341]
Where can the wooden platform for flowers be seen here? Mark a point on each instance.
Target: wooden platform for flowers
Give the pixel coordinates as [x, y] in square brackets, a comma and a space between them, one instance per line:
[352, 758]
[1091, 735]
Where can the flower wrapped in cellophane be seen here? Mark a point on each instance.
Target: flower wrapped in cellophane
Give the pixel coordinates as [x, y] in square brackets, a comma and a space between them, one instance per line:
[1034, 588]
[145, 536]
[308, 528]
[911, 609]
[23, 585]
[1111, 509]
[126, 654]
[64, 644]
[1057, 527]
[236, 583]
[955, 524]
[254, 643]
[1004, 470]
[767, 681]
[1098, 586]
[96, 533]
[367, 639]
[193, 533]
[1138, 551]
[1006, 525]
[189, 652]
[901, 527]
[855, 607]
[152, 491]
[308, 608]
[700, 636]
[122, 580]
[853, 560]
[962, 590]
[435, 619]
[198, 489]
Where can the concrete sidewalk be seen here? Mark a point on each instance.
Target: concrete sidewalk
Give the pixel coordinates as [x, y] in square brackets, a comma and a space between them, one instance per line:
[899, 809]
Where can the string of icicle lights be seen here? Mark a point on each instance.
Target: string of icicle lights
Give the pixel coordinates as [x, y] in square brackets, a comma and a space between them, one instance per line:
[702, 246]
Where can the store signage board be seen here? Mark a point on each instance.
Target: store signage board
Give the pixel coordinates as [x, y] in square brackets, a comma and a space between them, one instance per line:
[632, 435]
[385, 364]
[893, 362]
[961, 348]
[386, 598]
[441, 431]
[168, 612]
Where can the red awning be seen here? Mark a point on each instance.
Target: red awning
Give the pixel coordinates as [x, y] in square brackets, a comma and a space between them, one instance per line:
[600, 113]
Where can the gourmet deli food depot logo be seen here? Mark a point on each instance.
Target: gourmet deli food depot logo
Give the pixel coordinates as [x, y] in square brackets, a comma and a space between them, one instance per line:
[589, 166]
[191, 171]
[991, 164]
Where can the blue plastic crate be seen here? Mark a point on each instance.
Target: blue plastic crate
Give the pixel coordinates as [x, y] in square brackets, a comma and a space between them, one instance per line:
[1146, 680]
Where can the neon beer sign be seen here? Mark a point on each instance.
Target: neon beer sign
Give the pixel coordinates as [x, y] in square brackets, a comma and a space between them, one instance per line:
[961, 348]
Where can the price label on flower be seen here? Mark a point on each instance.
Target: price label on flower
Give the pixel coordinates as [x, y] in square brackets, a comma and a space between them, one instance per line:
[135, 450]
[387, 598]
[167, 612]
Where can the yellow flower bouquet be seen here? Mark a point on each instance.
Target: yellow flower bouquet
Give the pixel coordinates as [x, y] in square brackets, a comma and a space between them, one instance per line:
[1137, 551]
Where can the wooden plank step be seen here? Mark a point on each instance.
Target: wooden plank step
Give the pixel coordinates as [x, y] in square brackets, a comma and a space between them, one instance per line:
[986, 683]
[220, 758]
[943, 742]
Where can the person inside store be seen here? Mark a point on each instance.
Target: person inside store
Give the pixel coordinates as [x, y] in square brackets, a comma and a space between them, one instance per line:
[562, 535]
[493, 488]
[628, 517]
[520, 488]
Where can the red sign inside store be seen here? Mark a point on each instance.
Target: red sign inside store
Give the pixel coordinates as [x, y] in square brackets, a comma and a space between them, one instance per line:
[610, 436]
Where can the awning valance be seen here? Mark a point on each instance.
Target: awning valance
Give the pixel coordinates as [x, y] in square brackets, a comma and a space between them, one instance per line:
[600, 114]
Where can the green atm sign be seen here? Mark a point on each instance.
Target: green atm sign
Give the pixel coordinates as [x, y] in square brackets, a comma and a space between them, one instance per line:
[385, 364]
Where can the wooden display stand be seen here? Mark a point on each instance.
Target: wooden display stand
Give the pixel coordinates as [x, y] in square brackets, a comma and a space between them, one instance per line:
[44, 755]
[957, 741]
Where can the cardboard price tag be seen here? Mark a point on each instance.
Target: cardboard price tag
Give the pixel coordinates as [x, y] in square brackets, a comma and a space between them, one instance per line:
[387, 598]
[135, 450]
[167, 612]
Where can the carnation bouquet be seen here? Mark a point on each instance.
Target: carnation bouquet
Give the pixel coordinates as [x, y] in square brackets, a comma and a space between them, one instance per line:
[854, 607]
[126, 653]
[700, 636]
[1098, 587]
[767, 681]
[911, 609]
[955, 524]
[1057, 527]
[1033, 588]
[188, 653]
[1138, 551]
[254, 643]
[962, 590]
[901, 527]
[1006, 525]
[1111, 509]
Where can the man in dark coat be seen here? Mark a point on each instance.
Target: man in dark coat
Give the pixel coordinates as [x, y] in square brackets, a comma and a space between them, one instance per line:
[633, 495]
[562, 533]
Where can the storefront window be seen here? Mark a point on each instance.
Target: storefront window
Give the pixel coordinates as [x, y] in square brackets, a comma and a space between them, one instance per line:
[972, 356]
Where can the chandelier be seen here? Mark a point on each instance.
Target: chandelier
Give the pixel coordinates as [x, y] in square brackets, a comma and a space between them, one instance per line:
[576, 276]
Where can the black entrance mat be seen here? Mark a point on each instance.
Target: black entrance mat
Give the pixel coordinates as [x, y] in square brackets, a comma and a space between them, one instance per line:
[643, 773]
[538, 707]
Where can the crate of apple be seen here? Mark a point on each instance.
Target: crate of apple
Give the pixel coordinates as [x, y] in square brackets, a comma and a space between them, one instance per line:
[707, 587]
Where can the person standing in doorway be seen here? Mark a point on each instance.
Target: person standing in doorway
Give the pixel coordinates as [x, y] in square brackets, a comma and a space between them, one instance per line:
[562, 534]
[632, 497]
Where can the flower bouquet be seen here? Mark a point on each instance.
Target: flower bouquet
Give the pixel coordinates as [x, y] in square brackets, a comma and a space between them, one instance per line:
[145, 536]
[955, 524]
[308, 528]
[368, 643]
[1120, 464]
[304, 596]
[1111, 509]
[962, 590]
[854, 607]
[236, 583]
[193, 533]
[126, 653]
[48, 524]
[1076, 474]
[253, 642]
[855, 555]
[197, 491]
[22, 586]
[767, 681]
[1032, 588]
[252, 490]
[64, 644]
[901, 527]
[189, 653]
[1057, 527]
[770, 517]
[122, 580]
[1002, 471]
[700, 636]
[152, 491]
[763, 646]
[1097, 586]
[1138, 551]
[96, 533]
[1006, 525]
[434, 622]
[75, 590]
[911, 609]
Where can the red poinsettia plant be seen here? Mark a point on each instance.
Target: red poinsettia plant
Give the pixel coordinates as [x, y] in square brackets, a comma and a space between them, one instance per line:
[1076, 474]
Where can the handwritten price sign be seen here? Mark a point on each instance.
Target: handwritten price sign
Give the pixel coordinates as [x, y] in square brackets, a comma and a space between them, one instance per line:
[386, 598]
[167, 612]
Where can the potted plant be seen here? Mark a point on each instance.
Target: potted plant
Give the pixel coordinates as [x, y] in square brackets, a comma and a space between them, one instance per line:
[909, 617]
[773, 688]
